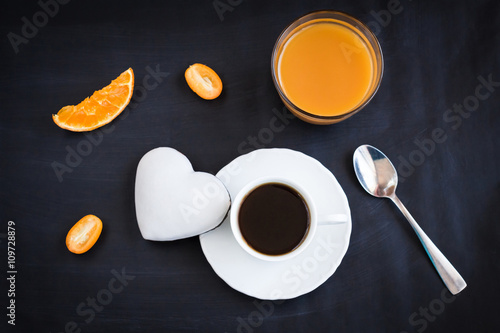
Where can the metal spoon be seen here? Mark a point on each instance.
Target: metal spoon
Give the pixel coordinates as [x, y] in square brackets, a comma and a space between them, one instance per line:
[378, 177]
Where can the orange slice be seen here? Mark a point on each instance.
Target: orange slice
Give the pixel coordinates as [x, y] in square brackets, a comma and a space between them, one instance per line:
[203, 81]
[83, 235]
[99, 109]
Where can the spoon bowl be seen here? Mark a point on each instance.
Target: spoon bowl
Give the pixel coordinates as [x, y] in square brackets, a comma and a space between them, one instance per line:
[378, 177]
[375, 172]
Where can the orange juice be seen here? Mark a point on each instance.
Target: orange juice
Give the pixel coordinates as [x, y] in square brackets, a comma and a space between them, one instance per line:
[326, 69]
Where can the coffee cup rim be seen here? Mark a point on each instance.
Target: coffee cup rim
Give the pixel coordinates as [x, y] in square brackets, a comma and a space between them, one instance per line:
[248, 188]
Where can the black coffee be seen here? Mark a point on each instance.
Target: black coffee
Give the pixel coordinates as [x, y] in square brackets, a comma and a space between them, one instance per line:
[274, 219]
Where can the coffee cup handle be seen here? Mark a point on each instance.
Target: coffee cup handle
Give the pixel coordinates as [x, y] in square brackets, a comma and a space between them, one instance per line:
[332, 219]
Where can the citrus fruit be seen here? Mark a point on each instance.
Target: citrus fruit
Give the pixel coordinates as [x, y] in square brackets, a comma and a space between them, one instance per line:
[204, 81]
[99, 109]
[83, 235]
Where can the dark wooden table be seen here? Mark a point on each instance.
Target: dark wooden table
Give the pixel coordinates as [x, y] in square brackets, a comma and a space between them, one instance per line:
[436, 116]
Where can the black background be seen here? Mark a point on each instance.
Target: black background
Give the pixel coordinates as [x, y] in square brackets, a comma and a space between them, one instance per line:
[434, 53]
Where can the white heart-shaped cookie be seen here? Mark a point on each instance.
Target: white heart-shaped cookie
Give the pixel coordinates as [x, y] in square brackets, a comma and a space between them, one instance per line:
[172, 201]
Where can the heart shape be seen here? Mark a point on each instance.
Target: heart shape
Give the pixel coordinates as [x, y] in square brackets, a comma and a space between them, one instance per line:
[172, 201]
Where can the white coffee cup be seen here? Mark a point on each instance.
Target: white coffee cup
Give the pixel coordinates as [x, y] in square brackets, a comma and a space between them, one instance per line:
[314, 221]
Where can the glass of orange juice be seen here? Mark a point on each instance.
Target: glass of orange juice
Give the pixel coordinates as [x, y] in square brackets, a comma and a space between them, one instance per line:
[326, 66]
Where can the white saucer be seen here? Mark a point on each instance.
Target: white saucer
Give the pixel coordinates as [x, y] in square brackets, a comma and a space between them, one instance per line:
[298, 275]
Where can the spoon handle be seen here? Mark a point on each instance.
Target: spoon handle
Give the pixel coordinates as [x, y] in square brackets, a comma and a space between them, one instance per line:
[451, 278]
